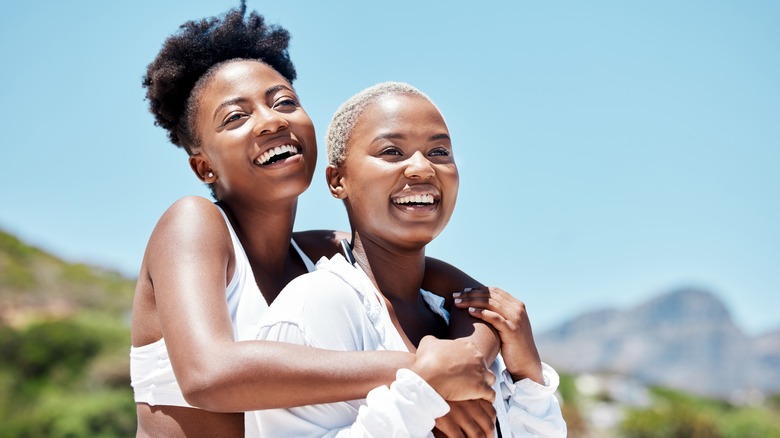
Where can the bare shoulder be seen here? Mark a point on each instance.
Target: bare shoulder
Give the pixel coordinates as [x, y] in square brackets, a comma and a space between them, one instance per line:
[192, 223]
[443, 278]
[190, 209]
[178, 245]
[320, 243]
[188, 218]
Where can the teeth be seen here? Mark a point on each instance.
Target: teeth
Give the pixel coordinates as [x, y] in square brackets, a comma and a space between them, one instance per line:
[267, 155]
[414, 199]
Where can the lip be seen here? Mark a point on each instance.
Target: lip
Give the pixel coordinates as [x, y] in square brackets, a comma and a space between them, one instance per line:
[277, 143]
[420, 192]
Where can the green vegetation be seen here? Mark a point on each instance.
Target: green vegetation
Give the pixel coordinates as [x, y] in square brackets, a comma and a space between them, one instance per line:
[64, 366]
[66, 378]
[64, 343]
[678, 415]
[669, 414]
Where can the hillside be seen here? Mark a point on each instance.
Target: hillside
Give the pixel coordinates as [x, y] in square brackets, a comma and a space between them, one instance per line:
[64, 341]
[35, 284]
[685, 339]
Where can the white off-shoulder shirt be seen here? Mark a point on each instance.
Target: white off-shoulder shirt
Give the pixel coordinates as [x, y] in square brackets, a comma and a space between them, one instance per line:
[337, 307]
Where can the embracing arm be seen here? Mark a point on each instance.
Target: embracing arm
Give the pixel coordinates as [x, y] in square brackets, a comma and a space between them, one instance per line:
[322, 309]
[187, 263]
[528, 385]
[443, 279]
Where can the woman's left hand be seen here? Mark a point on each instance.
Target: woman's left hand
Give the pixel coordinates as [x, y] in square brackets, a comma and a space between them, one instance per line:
[466, 419]
[508, 316]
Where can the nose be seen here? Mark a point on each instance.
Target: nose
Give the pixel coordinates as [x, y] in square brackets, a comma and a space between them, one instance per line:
[419, 167]
[269, 121]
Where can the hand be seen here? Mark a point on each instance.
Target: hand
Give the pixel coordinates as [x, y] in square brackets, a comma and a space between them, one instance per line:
[468, 418]
[508, 316]
[454, 368]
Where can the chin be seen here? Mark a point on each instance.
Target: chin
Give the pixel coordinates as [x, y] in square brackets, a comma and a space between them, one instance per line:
[415, 241]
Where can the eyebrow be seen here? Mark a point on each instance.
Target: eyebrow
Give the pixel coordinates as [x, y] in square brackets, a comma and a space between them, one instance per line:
[239, 100]
[394, 136]
[441, 136]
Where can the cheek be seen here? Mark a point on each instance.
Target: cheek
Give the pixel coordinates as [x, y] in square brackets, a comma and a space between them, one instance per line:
[366, 193]
[306, 127]
[449, 176]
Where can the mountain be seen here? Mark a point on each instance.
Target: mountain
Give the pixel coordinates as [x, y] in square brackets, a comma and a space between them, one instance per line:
[766, 355]
[684, 339]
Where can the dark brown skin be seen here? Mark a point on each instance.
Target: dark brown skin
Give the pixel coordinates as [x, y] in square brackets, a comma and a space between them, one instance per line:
[510, 319]
[440, 278]
[400, 147]
[180, 294]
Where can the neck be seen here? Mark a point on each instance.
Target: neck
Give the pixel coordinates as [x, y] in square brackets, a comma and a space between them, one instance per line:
[265, 234]
[396, 273]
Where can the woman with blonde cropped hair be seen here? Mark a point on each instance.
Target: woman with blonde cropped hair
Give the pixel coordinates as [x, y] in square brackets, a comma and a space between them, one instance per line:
[391, 161]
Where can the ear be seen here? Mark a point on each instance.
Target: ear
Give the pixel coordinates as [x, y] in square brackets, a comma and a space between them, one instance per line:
[335, 181]
[202, 169]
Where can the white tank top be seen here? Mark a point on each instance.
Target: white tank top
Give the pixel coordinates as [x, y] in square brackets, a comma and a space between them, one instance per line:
[151, 374]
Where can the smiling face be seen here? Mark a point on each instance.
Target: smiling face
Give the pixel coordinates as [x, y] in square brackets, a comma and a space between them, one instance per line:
[256, 140]
[398, 177]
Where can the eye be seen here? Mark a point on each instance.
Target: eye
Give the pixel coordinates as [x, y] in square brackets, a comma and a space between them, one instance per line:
[440, 152]
[232, 117]
[286, 103]
[391, 151]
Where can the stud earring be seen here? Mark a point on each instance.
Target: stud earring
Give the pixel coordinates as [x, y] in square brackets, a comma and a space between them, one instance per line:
[211, 175]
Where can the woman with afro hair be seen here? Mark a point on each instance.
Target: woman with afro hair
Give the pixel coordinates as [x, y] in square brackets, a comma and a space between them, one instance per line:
[221, 88]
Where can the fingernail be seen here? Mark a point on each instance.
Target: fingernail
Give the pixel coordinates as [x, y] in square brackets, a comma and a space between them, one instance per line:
[472, 309]
[468, 289]
[458, 300]
[456, 294]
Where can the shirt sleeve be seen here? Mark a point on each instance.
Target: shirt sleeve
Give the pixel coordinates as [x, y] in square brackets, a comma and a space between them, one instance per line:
[318, 310]
[321, 310]
[408, 408]
[533, 409]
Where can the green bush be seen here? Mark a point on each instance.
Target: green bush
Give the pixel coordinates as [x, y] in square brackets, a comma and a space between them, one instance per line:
[65, 415]
[678, 415]
[66, 378]
[750, 423]
[62, 347]
[677, 422]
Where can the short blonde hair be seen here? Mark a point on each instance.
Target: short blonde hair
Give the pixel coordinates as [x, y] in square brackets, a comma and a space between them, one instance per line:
[344, 120]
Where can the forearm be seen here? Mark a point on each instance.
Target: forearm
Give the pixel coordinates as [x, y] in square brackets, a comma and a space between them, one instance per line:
[483, 335]
[409, 407]
[443, 279]
[265, 374]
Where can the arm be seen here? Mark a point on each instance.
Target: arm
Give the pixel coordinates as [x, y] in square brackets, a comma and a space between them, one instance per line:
[443, 279]
[528, 385]
[188, 260]
[470, 417]
[325, 310]
[440, 278]
[408, 407]
[508, 315]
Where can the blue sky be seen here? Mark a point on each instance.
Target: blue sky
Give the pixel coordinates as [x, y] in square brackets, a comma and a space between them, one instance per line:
[609, 151]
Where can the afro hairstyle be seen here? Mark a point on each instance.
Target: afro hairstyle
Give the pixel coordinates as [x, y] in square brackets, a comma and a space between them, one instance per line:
[191, 54]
